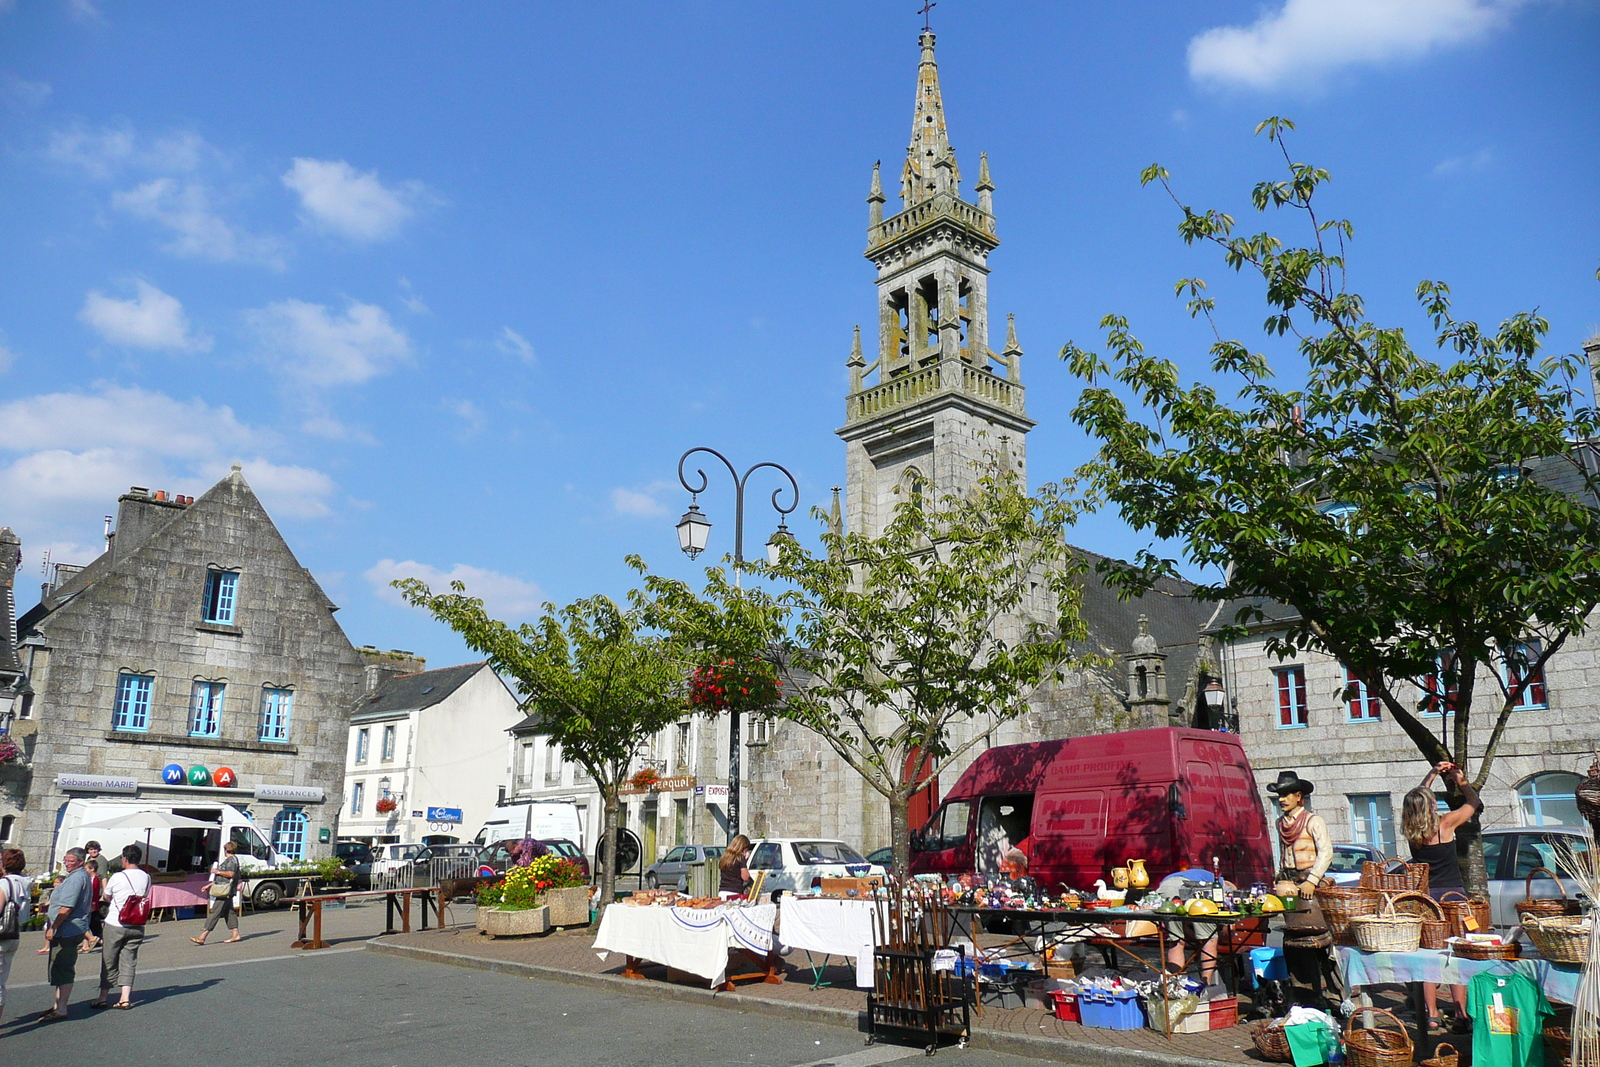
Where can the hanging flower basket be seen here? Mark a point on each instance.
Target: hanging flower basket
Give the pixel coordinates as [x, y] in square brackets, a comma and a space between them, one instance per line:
[385, 805]
[731, 686]
[10, 751]
[645, 778]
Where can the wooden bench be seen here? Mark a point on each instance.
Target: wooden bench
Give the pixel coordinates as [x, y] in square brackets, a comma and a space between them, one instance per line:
[310, 911]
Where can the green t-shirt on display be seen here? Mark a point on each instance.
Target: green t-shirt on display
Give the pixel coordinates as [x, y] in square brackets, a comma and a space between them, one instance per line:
[1508, 1013]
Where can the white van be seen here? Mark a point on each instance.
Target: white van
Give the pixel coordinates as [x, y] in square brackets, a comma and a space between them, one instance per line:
[189, 849]
[542, 820]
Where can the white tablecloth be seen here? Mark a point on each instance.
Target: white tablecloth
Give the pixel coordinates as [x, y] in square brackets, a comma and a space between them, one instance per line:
[1558, 980]
[835, 927]
[685, 939]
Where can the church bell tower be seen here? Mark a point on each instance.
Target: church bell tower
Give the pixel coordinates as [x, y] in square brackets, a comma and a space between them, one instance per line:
[921, 416]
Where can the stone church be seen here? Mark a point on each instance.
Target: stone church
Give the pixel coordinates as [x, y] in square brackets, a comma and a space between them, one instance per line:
[919, 418]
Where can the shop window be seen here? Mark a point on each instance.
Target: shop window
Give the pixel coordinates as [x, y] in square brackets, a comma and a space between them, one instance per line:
[1441, 689]
[276, 705]
[1372, 821]
[132, 710]
[1548, 800]
[289, 833]
[1292, 710]
[205, 709]
[1519, 670]
[1362, 704]
[221, 590]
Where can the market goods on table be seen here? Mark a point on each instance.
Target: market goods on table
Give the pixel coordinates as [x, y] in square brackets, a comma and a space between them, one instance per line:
[1340, 904]
[1546, 905]
[1484, 947]
[1559, 938]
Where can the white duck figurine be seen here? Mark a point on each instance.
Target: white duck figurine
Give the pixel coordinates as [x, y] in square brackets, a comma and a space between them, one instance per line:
[1102, 893]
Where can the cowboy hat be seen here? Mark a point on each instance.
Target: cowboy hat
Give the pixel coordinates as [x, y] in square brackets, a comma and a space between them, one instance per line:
[1290, 782]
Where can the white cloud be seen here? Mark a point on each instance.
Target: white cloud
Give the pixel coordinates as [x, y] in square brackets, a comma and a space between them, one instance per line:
[105, 151]
[469, 413]
[331, 429]
[308, 342]
[152, 319]
[502, 594]
[123, 419]
[198, 230]
[1476, 161]
[298, 492]
[336, 197]
[7, 357]
[1306, 39]
[24, 94]
[411, 300]
[639, 504]
[513, 343]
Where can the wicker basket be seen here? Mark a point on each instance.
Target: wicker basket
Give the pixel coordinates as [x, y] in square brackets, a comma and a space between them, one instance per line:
[1435, 934]
[1414, 879]
[1457, 912]
[1441, 1058]
[1340, 904]
[1475, 950]
[1588, 793]
[1557, 1045]
[1375, 1047]
[1387, 932]
[1559, 938]
[1549, 905]
[1271, 1041]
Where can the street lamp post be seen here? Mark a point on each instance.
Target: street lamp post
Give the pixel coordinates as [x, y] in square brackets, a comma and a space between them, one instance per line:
[693, 532]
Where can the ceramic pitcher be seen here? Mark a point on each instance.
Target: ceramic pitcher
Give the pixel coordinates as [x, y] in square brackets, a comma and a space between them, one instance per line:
[1138, 877]
[1119, 877]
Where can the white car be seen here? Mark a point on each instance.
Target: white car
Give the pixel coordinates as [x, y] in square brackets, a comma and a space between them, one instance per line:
[795, 864]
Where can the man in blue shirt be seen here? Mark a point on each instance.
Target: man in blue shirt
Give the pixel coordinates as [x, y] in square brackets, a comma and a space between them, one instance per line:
[70, 903]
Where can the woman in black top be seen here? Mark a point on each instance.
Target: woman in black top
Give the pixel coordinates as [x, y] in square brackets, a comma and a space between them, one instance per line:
[1433, 841]
[735, 879]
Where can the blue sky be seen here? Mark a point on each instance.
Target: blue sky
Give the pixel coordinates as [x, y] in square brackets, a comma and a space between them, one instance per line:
[457, 284]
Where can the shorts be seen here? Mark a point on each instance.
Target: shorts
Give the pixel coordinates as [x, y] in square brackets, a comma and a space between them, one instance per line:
[64, 959]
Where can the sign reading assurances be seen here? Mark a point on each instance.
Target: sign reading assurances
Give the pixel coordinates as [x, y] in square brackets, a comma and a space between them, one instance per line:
[444, 814]
[305, 794]
[97, 783]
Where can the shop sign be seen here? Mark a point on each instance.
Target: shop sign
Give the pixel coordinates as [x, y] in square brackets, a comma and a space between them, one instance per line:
[97, 783]
[444, 814]
[307, 794]
[716, 794]
[173, 774]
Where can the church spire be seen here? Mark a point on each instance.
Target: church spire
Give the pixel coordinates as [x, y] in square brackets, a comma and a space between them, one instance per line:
[930, 161]
[875, 199]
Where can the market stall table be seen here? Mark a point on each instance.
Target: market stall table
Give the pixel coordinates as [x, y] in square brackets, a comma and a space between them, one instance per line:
[693, 940]
[831, 926]
[310, 911]
[189, 892]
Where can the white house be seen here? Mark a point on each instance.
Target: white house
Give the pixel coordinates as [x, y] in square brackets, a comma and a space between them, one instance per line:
[433, 742]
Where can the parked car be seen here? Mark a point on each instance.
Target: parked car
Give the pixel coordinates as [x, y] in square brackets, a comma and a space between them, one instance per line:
[673, 869]
[1510, 856]
[568, 850]
[384, 860]
[466, 859]
[1347, 860]
[883, 857]
[351, 853]
[795, 863]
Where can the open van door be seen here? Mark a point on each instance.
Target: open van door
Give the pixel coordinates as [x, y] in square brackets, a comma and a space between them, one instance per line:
[944, 844]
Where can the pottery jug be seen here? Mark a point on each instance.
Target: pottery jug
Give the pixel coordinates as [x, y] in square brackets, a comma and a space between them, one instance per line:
[1138, 877]
[1119, 877]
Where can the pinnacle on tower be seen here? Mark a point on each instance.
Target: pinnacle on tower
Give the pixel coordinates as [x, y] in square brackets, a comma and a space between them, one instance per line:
[857, 362]
[985, 187]
[1012, 353]
[875, 198]
[930, 162]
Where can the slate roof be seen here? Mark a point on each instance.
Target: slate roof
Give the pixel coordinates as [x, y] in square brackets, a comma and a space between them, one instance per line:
[1176, 619]
[401, 694]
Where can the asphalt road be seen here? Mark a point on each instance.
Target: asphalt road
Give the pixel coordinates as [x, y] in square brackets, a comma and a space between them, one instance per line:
[352, 1008]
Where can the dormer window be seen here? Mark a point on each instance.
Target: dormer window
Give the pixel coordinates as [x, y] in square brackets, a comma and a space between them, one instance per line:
[221, 592]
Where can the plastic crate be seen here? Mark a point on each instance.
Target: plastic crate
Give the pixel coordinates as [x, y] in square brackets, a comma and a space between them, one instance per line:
[1066, 1006]
[1111, 1011]
[1224, 1012]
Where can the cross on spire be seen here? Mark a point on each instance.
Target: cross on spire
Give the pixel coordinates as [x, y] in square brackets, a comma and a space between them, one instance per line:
[927, 6]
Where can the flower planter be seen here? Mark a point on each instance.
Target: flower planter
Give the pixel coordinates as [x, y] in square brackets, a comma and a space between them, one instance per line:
[568, 907]
[499, 922]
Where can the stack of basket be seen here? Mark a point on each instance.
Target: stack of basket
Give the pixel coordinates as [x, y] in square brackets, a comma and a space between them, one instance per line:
[1432, 927]
[1413, 879]
[1559, 938]
[1548, 905]
[1391, 930]
[1464, 916]
[1340, 904]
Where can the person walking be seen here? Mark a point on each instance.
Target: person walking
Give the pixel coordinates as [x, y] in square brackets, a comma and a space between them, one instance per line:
[1433, 841]
[16, 905]
[128, 892]
[98, 869]
[225, 873]
[70, 903]
[734, 877]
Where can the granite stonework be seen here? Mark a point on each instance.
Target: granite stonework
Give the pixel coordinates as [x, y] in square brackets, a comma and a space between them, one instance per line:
[138, 609]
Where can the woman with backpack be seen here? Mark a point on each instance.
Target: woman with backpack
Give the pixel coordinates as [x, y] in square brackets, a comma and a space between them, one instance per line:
[128, 892]
[16, 902]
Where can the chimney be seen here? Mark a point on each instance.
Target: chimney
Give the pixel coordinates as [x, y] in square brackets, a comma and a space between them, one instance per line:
[140, 513]
[381, 665]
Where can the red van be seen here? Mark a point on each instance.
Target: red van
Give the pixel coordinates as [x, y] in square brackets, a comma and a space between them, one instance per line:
[1087, 804]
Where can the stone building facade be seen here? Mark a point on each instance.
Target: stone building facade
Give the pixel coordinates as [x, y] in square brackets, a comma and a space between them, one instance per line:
[198, 640]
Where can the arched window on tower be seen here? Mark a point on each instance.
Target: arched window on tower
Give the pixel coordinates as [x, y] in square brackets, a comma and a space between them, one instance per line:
[1144, 683]
[915, 487]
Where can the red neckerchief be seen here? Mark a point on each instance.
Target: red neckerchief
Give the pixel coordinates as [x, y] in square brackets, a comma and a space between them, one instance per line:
[1289, 830]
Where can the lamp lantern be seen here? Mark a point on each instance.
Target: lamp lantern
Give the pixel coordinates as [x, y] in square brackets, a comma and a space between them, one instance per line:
[694, 530]
[776, 542]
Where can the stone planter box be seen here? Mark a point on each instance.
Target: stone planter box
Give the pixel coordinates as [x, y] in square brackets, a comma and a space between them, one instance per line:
[568, 907]
[497, 922]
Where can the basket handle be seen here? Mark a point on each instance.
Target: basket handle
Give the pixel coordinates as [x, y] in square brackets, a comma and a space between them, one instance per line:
[1527, 886]
[1464, 900]
[1438, 1050]
[1350, 1025]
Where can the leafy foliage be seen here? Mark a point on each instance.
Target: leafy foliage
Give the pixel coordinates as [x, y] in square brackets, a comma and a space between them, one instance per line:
[523, 887]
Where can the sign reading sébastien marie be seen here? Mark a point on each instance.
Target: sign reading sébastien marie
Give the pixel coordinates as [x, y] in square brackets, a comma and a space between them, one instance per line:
[97, 783]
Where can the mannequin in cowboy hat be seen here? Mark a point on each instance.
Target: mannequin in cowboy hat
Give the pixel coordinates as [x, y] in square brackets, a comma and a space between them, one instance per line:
[1305, 852]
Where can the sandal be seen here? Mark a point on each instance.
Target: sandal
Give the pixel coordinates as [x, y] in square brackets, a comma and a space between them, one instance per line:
[197, 940]
[99, 1005]
[52, 1016]
[123, 1005]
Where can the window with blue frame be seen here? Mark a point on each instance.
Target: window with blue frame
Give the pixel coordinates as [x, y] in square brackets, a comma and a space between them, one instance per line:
[205, 709]
[363, 742]
[289, 833]
[358, 796]
[1292, 704]
[1362, 704]
[1442, 688]
[132, 709]
[1549, 800]
[222, 588]
[1372, 820]
[276, 704]
[1519, 670]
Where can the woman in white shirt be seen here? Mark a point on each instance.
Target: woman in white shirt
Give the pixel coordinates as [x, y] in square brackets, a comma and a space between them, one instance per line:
[120, 955]
[13, 887]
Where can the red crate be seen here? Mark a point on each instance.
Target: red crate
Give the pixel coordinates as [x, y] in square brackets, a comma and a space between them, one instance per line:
[1066, 1006]
[1224, 1013]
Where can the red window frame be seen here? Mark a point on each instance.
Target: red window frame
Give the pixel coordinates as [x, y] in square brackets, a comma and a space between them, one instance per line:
[1292, 704]
[1362, 704]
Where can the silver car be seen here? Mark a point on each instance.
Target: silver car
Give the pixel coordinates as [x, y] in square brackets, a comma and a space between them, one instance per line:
[1510, 856]
[673, 869]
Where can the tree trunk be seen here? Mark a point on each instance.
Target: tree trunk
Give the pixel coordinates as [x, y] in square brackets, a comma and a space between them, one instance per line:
[608, 849]
[1473, 870]
[900, 831]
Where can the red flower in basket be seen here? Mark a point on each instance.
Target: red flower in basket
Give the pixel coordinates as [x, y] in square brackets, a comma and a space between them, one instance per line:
[385, 805]
[645, 778]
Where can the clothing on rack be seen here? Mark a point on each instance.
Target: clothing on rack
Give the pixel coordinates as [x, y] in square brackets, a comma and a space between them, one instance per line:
[1508, 1011]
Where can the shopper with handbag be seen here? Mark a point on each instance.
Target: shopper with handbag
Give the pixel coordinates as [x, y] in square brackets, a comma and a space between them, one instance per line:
[128, 893]
[225, 875]
[16, 906]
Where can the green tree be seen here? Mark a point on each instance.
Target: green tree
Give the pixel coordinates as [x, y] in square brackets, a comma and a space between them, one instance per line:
[1405, 507]
[599, 680]
[884, 646]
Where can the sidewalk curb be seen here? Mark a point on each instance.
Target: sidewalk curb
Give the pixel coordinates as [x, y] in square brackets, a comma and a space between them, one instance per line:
[1063, 1050]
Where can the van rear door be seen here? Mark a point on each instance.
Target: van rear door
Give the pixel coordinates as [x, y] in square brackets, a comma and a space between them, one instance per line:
[944, 845]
